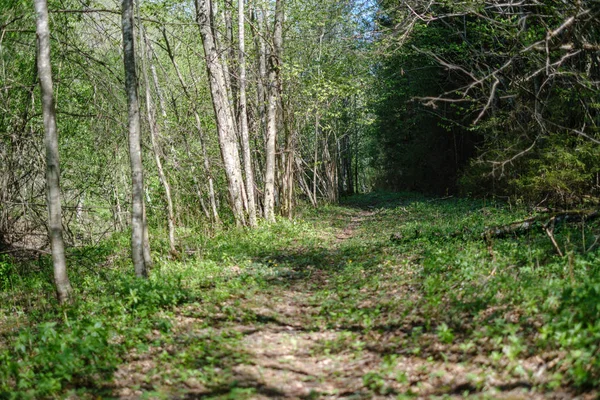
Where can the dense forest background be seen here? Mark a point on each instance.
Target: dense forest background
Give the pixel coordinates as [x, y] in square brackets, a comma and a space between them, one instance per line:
[171, 123]
[480, 98]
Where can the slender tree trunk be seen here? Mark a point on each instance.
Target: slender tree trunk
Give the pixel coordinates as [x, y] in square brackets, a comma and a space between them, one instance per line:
[274, 96]
[346, 164]
[287, 162]
[243, 125]
[229, 56]
[302, 181]
[228, 60]
[146, 242]
[288, 175]
[201, 198]
[269, 201]
[355, 153]
[211, 186]
[161, 100]
[223, 111]
[317, 127]
[259, 30]
[316, 159]
[331, 171]
[117, 210]
[154, 135]
[139, 249]
[55, 232]
[261, 51]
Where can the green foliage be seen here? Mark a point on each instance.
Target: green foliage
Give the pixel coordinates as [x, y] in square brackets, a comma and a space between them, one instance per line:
[81, 345]
[469, 102]
[564, 171]
[414, 283]
[54, 351]
[418, 147]
[42, 361]
[6, 271]
[145, 297]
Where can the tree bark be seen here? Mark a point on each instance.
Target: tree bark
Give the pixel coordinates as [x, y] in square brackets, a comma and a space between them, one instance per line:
[229, 56]
[346, 164]
[223, 112]
[139, 247]
[288, 155]
[274, 95]
[259, 30]
[261, 51]
[316, 159]
[243, 125]
[55, 232]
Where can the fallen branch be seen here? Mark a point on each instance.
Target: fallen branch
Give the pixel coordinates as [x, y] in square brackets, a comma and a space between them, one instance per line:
[549, 228]
[545, 222]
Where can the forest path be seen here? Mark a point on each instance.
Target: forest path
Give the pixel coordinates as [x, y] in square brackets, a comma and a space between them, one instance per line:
[340, 310]
[289, 357]
[318, 333]
[272, 343]
[287, 354]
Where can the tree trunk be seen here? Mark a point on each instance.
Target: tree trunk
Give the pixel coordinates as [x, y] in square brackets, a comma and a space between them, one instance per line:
[346, 164]
[259, 30]
[302, 180]
[61, 279]
[331, 171]
[229, 56]
[243, 125]
[274, 95]
[146, 242]
[288, 155]
[316, 159]
[154, 135]
[223, 112]
[139, 250]
[261, 51]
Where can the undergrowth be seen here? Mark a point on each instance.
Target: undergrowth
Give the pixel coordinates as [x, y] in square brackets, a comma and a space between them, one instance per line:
[415, 271]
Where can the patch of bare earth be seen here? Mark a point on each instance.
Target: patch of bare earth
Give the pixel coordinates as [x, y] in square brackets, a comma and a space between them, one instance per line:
[355, 222]
[286, 361]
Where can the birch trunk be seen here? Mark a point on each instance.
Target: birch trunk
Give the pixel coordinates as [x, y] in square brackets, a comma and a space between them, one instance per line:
[55, 233]
[229, 56]
[139, 246]
[259, 29]
[316, 160]
[243, 125]
[273, 97]
[222, 108]
[261, 51]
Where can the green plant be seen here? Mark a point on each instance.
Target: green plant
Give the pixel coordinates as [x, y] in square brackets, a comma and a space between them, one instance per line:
[6, 270]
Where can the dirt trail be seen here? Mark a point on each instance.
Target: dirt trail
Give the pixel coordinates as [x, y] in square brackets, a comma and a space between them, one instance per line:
[288, 361]
[355, 222]
[288, 357]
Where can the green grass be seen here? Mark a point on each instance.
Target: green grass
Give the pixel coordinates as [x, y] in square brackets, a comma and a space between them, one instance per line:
[411, 279]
